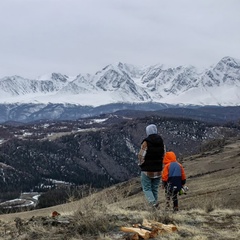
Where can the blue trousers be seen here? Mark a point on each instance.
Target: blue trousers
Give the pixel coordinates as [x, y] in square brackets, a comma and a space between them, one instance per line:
[150, 188]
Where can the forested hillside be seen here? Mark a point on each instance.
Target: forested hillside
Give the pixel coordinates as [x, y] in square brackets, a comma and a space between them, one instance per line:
[91, 152]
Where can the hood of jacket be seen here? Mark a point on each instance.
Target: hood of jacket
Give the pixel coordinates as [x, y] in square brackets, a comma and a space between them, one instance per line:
[151, 129]
[169, 157]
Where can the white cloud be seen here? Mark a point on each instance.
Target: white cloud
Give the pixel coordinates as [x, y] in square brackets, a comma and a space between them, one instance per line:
[79, 36]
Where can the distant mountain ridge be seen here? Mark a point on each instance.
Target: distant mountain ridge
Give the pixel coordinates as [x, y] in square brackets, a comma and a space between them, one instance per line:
[125, 83]
[119, 87]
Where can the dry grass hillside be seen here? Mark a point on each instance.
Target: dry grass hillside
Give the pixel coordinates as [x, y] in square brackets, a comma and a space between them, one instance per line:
[210, 210]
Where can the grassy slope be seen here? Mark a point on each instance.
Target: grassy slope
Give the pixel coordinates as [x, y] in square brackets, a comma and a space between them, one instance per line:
[209, 210]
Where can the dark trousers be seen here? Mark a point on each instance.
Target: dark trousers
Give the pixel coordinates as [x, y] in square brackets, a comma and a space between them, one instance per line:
[171, 193]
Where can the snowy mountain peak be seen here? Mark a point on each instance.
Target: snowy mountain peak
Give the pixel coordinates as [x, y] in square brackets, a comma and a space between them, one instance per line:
[60, 77]
[121, 82]
[232, 62]
[53, 76]
[226, 72]
[228, 63]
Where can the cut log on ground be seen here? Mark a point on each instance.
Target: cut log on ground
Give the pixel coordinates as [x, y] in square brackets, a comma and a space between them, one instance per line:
[160, 226]
[145, 234]
[149, 229]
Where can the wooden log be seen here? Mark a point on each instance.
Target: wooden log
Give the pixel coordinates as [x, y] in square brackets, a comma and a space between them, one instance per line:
[149, 229]
[160, 226]
[145, 234]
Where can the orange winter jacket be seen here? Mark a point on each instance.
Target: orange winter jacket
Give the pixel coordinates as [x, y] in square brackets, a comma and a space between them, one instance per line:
[173, 172]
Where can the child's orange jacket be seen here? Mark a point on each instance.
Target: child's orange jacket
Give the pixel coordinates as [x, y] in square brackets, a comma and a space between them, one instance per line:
[173, 173]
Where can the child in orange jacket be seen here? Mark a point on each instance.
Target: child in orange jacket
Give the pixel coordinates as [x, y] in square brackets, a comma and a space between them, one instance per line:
[173, 178]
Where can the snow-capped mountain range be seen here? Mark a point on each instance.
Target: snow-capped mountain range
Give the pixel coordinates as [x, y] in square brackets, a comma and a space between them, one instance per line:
[125, 83]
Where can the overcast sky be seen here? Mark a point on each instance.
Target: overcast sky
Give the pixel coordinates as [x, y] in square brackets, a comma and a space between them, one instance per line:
[83, 36]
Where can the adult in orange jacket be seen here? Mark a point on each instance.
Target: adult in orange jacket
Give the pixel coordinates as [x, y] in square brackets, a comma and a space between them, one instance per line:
[173, 178]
